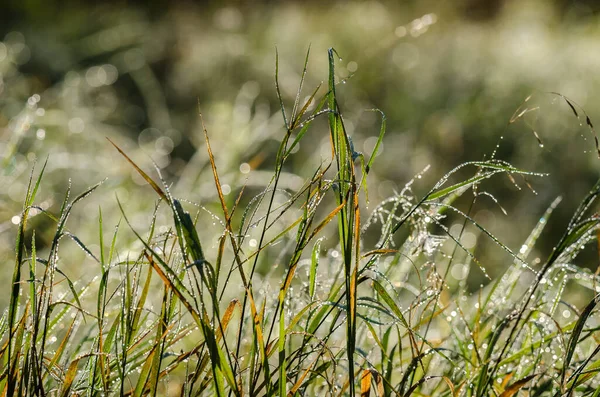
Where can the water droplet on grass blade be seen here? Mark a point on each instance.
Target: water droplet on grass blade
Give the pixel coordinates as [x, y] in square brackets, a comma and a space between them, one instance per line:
[244, 168]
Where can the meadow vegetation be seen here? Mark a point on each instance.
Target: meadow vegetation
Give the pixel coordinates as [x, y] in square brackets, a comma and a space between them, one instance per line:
[301, 284]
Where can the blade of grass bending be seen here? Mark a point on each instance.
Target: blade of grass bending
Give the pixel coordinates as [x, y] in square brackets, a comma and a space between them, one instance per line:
[176, 289]
[576, 233]
[323, 311]
[585, 204]
[306, 123]
[516, 386]
[588, 121]
[419, 383]
[65, 389]
[572, 236]
[58, 353]
[577, 216]
[316, 112]
[469, 182]
[184, 220]
[82, 246]
[300, 380]
[379, 140]
[380, 344]
[576, 379]
[585, 314]
[173, 280]
[149, 180]
[325, 221]
[390, 302]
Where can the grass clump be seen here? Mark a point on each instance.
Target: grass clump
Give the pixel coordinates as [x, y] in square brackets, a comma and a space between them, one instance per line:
[301, 294]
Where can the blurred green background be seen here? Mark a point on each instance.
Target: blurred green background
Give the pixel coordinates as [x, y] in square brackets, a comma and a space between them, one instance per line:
[448, 75]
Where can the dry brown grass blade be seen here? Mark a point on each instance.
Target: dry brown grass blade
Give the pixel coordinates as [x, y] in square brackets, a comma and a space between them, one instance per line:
[65, 389]
[227, 317]
[327, 219]
[380, 386]
[260, 340]
[298, 383]
[170, 284]
[515, 387]
[150, 181]
[450, 385]
[365, 383]
[213, 166]
[61, 347]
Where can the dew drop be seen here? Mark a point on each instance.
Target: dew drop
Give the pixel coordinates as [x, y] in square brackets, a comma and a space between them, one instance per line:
[523, 249]
[244, 168]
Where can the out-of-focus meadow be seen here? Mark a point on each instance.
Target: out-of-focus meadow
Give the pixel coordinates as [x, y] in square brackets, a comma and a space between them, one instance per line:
[449, 79]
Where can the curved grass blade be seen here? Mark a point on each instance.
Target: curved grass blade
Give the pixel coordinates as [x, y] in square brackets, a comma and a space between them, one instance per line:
[150, 181]
[514, 388]
[572, 344]
[379, 140]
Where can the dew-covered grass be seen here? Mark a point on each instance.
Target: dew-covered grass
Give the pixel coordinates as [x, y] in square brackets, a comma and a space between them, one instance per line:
[301, 287]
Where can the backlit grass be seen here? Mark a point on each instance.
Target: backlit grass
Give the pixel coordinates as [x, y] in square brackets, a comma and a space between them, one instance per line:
[311, 290]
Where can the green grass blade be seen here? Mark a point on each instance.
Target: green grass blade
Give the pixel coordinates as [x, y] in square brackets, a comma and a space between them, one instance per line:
[314, 264]
[572, 344]
[379, 140]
